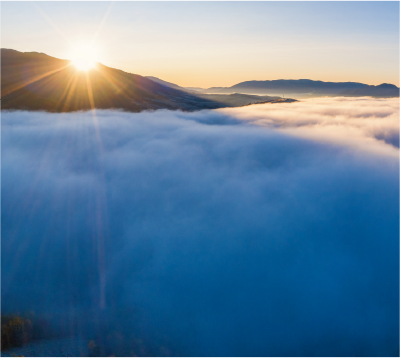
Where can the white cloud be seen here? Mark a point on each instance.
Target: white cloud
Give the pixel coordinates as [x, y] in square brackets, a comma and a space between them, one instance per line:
[252, 236]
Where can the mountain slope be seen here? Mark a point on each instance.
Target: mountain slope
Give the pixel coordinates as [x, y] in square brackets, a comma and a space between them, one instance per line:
[165, 83]
[287, 87]
[230, 100]
[36, 81]
[240, 99]
[383, 90]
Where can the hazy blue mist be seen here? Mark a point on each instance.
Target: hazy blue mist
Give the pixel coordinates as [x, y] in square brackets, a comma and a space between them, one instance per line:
[211, 235]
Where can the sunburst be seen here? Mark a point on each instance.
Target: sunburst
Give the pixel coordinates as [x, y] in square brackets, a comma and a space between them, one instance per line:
[84, 57]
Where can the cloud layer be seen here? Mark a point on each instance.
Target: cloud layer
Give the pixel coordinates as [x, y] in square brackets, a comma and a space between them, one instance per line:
[252, 231]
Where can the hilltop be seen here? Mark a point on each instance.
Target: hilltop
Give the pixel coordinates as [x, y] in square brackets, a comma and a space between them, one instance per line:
[308, 88]
[36, 81]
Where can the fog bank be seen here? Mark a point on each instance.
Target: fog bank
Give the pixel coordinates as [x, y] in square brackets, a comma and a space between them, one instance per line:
[268, 230]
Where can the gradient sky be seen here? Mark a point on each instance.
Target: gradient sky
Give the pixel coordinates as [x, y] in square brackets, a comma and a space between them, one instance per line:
[209, 44]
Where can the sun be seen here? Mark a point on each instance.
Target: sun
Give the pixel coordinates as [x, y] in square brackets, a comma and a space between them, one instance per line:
[84, 58]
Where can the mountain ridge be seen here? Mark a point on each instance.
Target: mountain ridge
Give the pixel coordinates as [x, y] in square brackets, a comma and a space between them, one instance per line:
[307, 86]
[36, 81]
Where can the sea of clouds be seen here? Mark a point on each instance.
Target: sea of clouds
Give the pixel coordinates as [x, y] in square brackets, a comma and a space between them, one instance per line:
[267, 230]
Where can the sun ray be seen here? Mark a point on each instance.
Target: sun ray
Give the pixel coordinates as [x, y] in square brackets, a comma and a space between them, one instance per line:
[114, 83]
[67, 89]
[51, 22]
[91, 100]
[85, 63]
[100, 207]
[35, 79]
[90, 93]
[70, 93]
[102, 22]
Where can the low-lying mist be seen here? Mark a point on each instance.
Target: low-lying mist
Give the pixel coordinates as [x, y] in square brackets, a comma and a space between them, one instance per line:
[268, 230]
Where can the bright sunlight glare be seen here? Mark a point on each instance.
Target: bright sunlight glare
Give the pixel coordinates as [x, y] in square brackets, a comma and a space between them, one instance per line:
[84, 58]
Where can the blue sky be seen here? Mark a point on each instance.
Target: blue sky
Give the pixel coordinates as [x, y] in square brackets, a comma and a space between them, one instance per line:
[218, 43]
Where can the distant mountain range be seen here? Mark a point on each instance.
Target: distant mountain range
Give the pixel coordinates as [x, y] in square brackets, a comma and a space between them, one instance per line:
[36, 81]
[309, 88]
[296, 88]
[383, 90]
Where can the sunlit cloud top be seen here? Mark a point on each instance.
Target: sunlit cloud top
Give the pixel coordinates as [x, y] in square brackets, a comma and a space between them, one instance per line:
[367, 124]
[252, 231]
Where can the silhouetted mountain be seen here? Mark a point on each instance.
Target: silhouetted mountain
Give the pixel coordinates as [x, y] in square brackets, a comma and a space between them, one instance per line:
[288, 86]
[165, 83]
[230, 100]
[304, 87]
[240, 99]
[195, 90]
[36, 81]
[383, 90]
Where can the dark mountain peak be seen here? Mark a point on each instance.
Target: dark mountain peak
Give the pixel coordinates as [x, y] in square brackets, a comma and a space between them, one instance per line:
[7, 52]
[384, 90]
[36, 81]
[305, 88]
[387, 86]
[302, 86]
